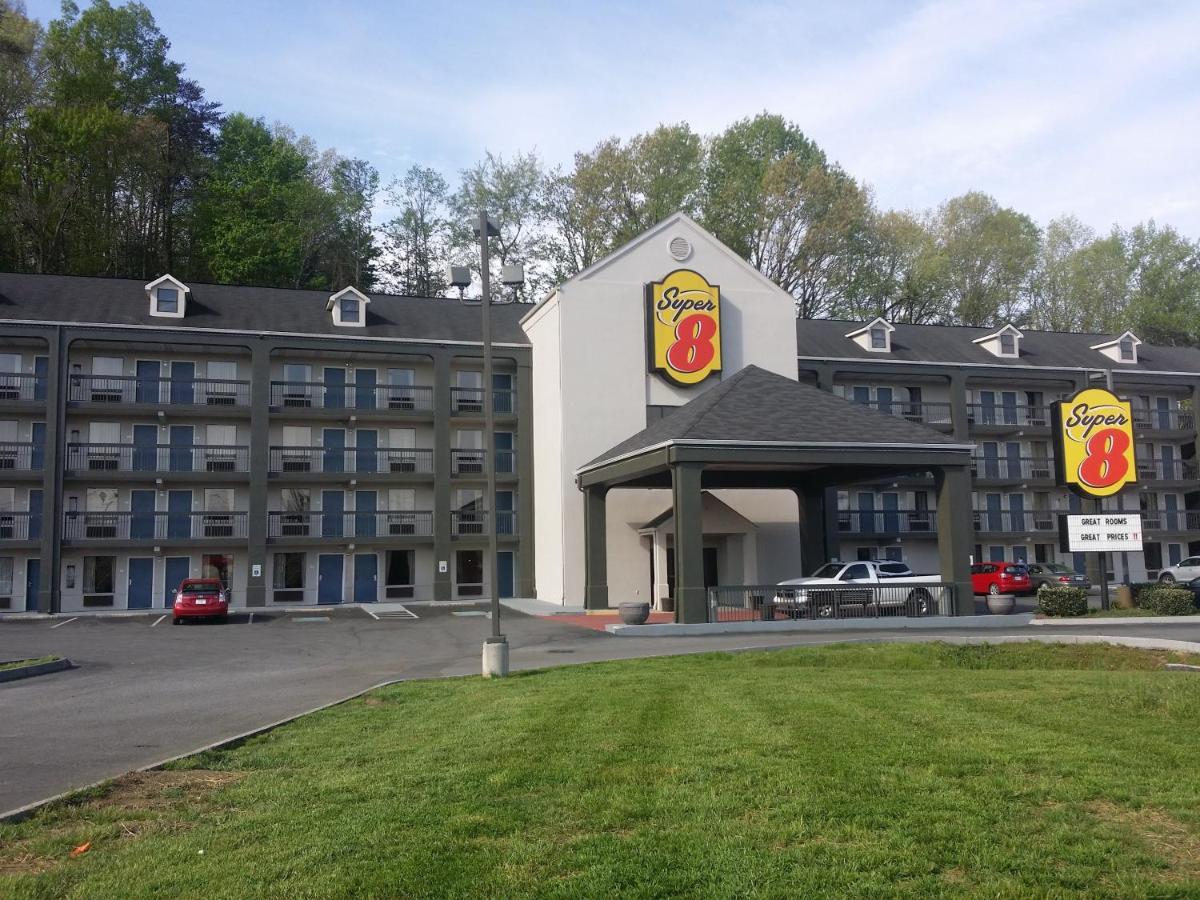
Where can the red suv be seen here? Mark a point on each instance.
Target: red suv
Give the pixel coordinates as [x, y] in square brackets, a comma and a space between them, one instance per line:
[1000, 578]
[201, 598]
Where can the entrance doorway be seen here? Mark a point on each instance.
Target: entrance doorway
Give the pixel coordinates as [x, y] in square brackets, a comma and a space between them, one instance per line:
[329, 577]
[711, 578]
[141, 582]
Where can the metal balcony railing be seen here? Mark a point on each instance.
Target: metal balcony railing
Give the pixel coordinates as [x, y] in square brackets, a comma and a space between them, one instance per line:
[318, 395]
[1012, 467]
[861, 521]
[1171, 520]
[921, 413]
[468, 462]
[1015, 521]
[506, 522]
[20, 526]
[138, 526]
[983, 414]
[116, 389]
[17, 387]
[318, 524]
[327, 460]
[207, 458]
[467, 522]
[1163, 419]
[466, 401]
[21, 457]
[506, 462]
[1166, 470]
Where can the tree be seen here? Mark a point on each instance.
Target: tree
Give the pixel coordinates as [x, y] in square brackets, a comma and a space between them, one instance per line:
[1082, 281]
[416, 242]
[902, 273]
[1164, 274]
[351, 254]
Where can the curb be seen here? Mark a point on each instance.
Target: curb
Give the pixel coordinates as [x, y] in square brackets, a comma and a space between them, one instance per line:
[55, 665]
[672, 629]
[1120, 620]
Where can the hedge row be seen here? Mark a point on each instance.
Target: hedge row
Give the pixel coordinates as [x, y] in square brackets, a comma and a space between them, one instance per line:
[1167, 601]
[1062, 601]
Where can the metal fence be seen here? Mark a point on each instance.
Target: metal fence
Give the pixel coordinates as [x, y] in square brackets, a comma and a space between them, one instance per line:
[773, 602]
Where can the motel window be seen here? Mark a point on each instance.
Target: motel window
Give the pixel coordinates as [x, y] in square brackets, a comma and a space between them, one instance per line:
[6, 578]
[468, 572]
[878, 339]
[399, 573]
[1128, 356]
[10, 363]
[350, 309]
[1154, 556]
[1008, 344]
[99, 580]
[288, 576]
[168, 300]
[218, 565]
[400, 392]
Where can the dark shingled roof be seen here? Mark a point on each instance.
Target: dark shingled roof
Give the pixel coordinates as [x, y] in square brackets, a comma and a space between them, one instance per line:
[826, 338]
[120, 301]
[756, 405]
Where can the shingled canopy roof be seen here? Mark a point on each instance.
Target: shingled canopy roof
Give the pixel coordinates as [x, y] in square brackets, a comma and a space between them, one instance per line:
[756, 415]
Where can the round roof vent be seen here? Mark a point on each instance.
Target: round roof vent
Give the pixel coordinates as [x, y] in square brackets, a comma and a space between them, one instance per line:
[680, 248]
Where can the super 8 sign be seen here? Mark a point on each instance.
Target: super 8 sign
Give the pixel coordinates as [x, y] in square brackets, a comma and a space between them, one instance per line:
[1093, 434]
[683, 323]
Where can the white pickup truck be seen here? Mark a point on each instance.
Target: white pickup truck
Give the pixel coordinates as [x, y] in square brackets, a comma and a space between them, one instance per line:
[871, 587]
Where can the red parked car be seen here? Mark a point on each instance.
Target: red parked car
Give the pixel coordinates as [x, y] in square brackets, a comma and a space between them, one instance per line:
[1000, 578]
[201, 598]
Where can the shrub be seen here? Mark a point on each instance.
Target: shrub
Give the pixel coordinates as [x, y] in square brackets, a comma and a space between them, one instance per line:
[1167, 601]
[1062, 601]
[1138, 587]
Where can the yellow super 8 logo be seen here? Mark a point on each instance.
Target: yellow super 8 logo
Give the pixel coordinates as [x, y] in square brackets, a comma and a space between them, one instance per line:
[1094, 434]
[683, 315]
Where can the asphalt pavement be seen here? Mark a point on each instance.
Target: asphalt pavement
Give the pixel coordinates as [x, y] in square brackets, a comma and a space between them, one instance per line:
[143, 692]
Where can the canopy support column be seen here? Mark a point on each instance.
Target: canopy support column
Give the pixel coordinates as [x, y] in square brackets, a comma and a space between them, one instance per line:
[595, 547]
[816, 539]
[691, 599]
[955, 533]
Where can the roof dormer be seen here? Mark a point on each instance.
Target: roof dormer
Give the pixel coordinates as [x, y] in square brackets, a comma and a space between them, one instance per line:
[1005, 343]
[168, 297]
[1123, 349]
[875, 336]
[349, 307]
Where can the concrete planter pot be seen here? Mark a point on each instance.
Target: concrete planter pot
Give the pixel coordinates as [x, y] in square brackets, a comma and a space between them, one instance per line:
[634, 613]
[1001, 604]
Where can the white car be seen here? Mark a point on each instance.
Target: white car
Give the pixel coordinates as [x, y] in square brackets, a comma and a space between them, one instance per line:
[1184, 571]
[882, 586]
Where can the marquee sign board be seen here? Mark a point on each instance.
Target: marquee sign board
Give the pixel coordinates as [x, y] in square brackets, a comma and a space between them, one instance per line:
[1094, 445]
[1100, 533]
[683, 327]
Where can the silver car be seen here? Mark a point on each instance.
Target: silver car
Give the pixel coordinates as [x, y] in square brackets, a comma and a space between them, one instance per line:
[1183, 571]
[1056, 575]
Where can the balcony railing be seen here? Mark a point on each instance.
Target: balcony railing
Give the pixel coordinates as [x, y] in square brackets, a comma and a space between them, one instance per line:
[467, 401]
[1015, 521]
[330, 460]
[468, 462]
[506, 522]
[468, 522]
[317, 524]
[1171, 520]
[1164, 419]
[20, 526]
[119, 389]
[864, 521]
[138, 526]
[921, 413]
[983, 414]
[1012, 467]
[209, 458]
[17, 457]
[1167, 470]
[17, 387]
[318, 395]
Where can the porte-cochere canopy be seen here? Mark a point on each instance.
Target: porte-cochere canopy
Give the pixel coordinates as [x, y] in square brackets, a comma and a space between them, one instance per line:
[758, 429]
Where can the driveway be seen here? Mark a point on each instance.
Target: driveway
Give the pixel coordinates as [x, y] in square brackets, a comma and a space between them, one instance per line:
[144, 692]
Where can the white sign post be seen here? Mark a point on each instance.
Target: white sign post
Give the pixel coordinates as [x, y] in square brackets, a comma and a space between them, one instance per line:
[1101, 533]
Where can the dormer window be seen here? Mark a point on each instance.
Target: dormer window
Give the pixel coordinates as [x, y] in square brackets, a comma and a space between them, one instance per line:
[1123, 349]
[349, 308]
[875, 336]
[1008, 344]
[1005, 343]
[168, 297]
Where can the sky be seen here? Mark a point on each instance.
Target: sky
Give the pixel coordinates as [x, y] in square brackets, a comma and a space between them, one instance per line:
[1087, 107]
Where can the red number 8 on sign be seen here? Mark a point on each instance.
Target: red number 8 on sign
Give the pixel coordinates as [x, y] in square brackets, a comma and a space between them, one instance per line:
[693, 347]
[1105, 463]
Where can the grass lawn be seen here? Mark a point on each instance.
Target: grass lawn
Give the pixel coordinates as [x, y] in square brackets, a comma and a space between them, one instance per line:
[18, 663]
[881, 770]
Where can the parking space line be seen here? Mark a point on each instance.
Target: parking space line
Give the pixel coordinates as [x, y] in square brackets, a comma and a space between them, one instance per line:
[159, 619]
[371, 614]
[68, 622]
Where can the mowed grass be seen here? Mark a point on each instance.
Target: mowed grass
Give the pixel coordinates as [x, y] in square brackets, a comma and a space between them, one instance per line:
[22, 663]
[866, 770]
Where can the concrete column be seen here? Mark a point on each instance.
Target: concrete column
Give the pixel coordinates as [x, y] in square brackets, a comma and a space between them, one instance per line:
[525, 547]
[825, 375]
[442, 552]
[595, 547]
[955, 532]
[50, 552]
[959, 412]
[691, 601]
[816, 541]
[260, 463]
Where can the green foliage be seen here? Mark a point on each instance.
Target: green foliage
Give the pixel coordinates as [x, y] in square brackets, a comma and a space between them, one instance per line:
[1062, 601]
[1167, 601]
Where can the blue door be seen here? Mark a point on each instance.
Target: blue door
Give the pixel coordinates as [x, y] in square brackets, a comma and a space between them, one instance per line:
[141, 515]
[891, 515]
[329, 578]
[504, 452]
[1172, 516]
[335, 450]
[1164, 412]
[1016, 512]
[366, 443]
[502, 393]
[333, 508]
[37, 454]
[1020, 553]
[146, 388]
[366, 577]
[141, 582]
[41, 369]
[884, 397]
[35, 514]
[987, 407]
[1168, 462]
[991, 461]
[505, 520]
[183, 383]
[177, 569]
[1012, 452]
[145, 448]
[506, 572]
[182, 438]
[33, 583]
[365, 507]
[364, 388]
[995, 517]
[1009, 400]
[179, 514]
[335, 388]
[866, 512]
[995, 553]
[1174, 554]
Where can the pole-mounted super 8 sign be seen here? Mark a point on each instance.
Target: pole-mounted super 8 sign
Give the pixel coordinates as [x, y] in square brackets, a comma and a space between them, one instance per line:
[1094, 447]
[683, 327]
